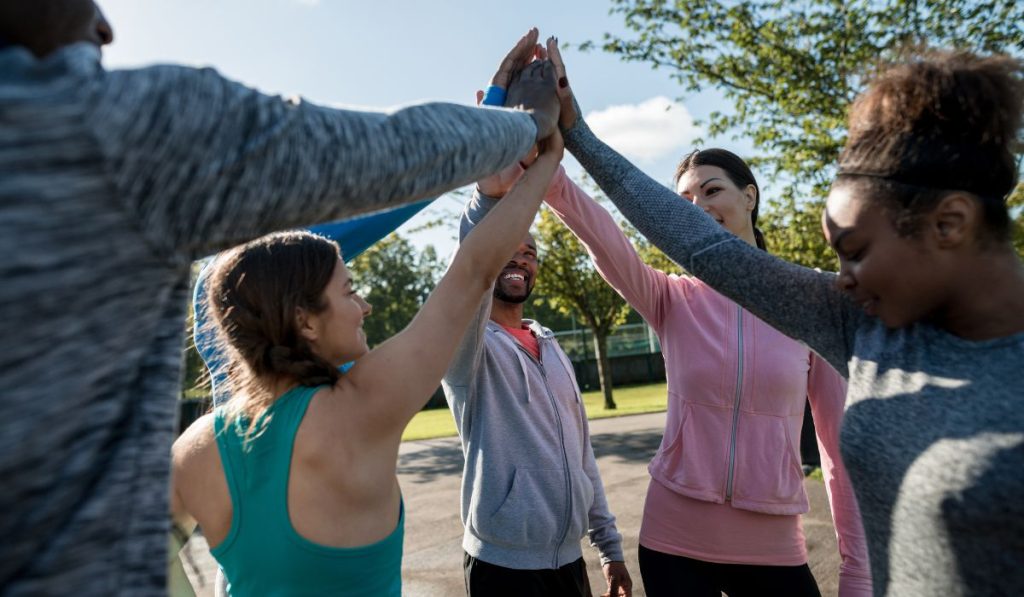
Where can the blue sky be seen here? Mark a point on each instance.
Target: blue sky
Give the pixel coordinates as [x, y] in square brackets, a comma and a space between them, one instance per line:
[382, 53]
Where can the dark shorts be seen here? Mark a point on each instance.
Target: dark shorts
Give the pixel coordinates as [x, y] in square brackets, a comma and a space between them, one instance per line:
[489, 580]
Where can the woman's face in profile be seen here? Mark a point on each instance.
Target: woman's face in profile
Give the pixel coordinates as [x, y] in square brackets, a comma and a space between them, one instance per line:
[898, 279]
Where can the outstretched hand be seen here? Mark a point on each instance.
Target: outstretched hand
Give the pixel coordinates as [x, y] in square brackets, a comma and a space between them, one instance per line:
[567, 103]
[517, 58]
[533, 89]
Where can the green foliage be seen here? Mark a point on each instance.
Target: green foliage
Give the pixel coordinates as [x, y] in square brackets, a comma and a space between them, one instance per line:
[571, 284]
[634, 400]
[793, 232]
[790, 71]
[395, 279]
[196, 382]
[1016, 203]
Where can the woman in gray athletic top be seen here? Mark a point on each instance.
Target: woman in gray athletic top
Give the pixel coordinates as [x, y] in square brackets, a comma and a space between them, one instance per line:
[925, 317]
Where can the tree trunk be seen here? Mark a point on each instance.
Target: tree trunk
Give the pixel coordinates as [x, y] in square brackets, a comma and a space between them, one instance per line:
[604, 368]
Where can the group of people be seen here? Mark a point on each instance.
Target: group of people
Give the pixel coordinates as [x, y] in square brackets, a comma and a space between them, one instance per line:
[910, 355]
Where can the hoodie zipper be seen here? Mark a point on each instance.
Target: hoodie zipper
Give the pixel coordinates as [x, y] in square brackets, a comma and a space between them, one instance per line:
[561, 441]
[565, 464]
[736, 403]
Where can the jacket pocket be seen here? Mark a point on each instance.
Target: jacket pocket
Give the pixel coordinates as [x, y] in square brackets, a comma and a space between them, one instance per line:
[582, 500]
[768, 477]
[532, 513]
[693, 462]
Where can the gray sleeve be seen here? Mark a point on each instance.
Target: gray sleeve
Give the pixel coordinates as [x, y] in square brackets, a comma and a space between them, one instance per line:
[203, 163]
[462, 370]
[603, 533]
[800, 302]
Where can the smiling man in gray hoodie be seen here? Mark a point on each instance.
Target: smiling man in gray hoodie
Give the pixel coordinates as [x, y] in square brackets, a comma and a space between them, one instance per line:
[530, 487]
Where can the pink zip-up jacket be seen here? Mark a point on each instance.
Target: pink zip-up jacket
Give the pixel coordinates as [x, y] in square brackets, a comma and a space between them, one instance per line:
[736, 390]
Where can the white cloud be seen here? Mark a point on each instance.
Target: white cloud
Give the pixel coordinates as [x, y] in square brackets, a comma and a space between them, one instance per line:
[307, 2]
[645, 132]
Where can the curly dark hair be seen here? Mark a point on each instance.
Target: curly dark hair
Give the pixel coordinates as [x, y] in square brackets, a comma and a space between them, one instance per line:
[938, 122]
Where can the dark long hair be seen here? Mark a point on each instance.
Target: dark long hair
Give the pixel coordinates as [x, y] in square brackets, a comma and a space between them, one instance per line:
[939, 122]
[254, 293]
[737, 171]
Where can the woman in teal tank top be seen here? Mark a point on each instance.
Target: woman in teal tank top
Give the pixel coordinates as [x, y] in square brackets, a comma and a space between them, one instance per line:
[293, 481]
[263, 549]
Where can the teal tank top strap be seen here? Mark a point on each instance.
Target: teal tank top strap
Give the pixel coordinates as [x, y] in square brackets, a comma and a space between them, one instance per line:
[263, 553]
[256, 463]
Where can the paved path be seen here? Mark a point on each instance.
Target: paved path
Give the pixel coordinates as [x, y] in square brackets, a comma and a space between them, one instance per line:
[430, 474]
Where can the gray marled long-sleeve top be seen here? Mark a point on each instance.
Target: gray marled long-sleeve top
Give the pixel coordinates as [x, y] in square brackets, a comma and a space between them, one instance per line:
[111, 183]
[933, 433]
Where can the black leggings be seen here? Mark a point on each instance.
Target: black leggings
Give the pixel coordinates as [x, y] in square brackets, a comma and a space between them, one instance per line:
[666, 575]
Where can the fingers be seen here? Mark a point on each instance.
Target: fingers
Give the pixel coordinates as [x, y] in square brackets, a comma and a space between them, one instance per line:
[518, 56]
[522, 52]
[555, 56]
[567, 104]
[479, 96]
[523, 49]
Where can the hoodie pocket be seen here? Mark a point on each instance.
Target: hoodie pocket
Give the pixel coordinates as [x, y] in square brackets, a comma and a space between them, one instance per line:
[582, 500]
[768, 475]
[533, 512]
[694, 461]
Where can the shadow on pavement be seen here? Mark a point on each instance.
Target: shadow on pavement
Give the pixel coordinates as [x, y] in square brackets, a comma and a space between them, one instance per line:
[431, 463]
[628, 447]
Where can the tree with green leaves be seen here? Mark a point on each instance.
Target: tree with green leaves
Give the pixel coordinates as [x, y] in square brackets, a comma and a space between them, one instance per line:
[791, 69]
[571, 284]
[395, 279]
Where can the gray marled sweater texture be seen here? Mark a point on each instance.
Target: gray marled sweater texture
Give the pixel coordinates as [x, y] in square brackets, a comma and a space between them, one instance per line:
[111, 183]
[933, 434]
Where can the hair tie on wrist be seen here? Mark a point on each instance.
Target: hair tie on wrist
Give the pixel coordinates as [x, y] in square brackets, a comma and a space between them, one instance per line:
[494, 96]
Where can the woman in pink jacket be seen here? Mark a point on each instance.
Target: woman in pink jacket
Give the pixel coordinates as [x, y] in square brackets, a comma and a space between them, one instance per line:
[726, 492]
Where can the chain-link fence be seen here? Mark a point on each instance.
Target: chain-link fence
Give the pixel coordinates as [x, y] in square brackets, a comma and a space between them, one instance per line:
[625, 340]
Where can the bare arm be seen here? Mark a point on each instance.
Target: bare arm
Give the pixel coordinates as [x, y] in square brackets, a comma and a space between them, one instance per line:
[421, 353]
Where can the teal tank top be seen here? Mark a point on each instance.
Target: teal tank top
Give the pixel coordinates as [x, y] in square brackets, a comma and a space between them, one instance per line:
[263, 554]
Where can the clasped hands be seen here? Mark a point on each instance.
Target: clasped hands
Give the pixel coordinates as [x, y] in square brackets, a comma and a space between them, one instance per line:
[535, 79]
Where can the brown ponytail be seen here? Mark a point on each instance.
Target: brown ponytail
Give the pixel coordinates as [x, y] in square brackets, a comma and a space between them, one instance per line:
[255, 291]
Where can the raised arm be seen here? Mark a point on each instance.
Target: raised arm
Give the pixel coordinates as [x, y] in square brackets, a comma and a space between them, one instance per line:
[201, 163]
[615, 258]
[422, 351]
[826, 391]
[800, 302]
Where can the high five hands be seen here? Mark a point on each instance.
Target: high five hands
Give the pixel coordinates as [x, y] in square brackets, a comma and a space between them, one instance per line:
[529, 72]
[530, 83]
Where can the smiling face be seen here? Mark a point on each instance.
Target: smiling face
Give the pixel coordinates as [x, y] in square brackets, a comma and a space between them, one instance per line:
[516, 280]
[336, 333]
[711, 189]
[899, 279]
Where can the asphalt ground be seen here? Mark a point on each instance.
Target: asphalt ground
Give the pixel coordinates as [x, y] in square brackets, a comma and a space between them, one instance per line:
[430, 473]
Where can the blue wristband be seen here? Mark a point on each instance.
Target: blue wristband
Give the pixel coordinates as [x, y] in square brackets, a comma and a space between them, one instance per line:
[494, 96]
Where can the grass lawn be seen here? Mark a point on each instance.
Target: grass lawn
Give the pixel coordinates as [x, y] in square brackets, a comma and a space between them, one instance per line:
[632, 400]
